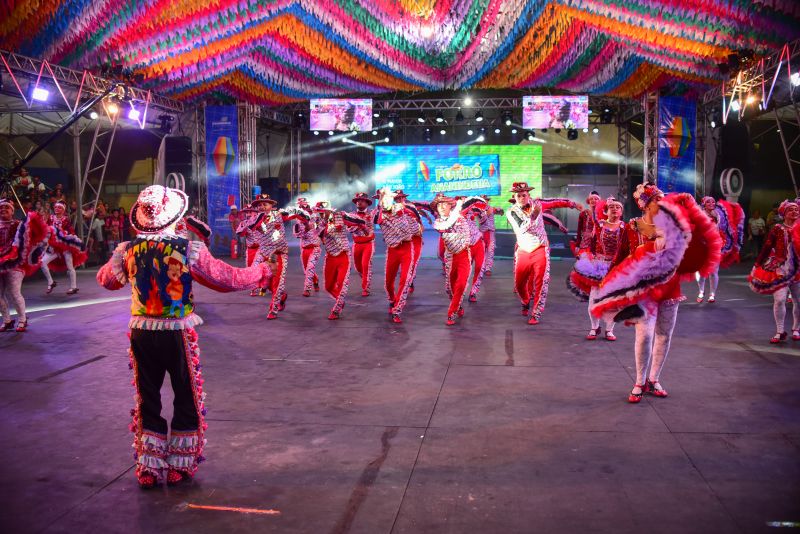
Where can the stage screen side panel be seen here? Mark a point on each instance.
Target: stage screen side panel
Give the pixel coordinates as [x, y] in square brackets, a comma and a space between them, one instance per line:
[341, 114]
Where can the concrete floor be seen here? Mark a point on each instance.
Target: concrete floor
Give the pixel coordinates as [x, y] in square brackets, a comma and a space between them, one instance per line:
[364, 426]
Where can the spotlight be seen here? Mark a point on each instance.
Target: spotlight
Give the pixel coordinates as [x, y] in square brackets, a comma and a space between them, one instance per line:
[530, 135]
[41, 94]
[481, 139]
[750, 99]
[514, 131]
[93, 115]
[795, 79]
[374, 132]
[507, 117]
[735, 105]
[459, 116]
[607, 117]
[421, 117]
[442, 131]
[427, 135]
[586, 130]
[385, 139]
[376, 114]
[479, 116]
[391, 124]
[330, 132]
[595, 130]
[113, 108]
[316, 132]
[470, 132]
[134, 114]
[497, 130]
[467, 100]
[713, 124]
[439, 117]
[572, 134]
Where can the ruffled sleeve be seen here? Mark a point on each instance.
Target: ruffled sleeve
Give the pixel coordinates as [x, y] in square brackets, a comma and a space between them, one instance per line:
[112, 275]
[219, 276]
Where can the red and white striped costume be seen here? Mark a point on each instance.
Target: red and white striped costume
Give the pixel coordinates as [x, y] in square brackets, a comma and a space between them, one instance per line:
[333, 232]
[478, 254]
[455, 234]
[398, 226]
[487, 227]
[364, 247]
[308, 236]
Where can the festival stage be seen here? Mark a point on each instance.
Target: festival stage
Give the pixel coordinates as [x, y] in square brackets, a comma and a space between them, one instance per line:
[361, 425]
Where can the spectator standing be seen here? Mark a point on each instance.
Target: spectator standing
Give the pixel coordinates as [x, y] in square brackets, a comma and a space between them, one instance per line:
[113, 228]
[36, 190]
[756, 230]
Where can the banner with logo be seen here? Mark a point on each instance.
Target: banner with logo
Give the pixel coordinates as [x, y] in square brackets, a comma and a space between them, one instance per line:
[676, 145]
[222, 171]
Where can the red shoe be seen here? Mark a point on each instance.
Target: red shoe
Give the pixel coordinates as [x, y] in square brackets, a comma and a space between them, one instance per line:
[610, 336]
[634, 398]
[795, 335]
[593, 333]
[396, 318]
[316, 286]
[50, 287]
[451, 320]
[488, 273]
[255, 292]
[282, 303]
[365, 293]
[147, 480]
[473, 298]
[411, 289]
[777, 338]
[655, 391]
[7, 327]
[272, 315]
[712, 299]
[176, 477]
[306, 293]
[533, 320]
[334, 315]
[525, 310]
[22, 326]
[460, 311]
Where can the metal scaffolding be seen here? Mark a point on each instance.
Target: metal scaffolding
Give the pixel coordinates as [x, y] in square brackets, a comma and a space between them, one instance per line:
[651, 137]
[199, 160]
[248, 115]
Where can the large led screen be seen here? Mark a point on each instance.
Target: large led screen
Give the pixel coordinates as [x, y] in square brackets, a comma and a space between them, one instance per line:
[555, 112]
[341, 114]
[424, 170]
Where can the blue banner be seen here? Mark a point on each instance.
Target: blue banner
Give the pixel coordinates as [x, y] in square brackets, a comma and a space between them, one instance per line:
[677, 128]
[222, 171]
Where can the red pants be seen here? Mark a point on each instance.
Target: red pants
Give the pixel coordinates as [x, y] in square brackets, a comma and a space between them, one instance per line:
[399, 258]
[441, 251]
[251, 255]
[309, 257]
[337, 278]
[362, 257]
[457, 267]
[531, 279]
[478, 253]
[277, 284]
[417, 242]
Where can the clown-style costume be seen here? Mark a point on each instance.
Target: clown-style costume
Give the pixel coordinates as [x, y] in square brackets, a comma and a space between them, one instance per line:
[777, 270]
[532, 255]
[398, 227]
[593, 265]
[455, 234]
[364, 242]
[587, 222]
[729, 218]
[161, 267]
[307, 234]
[333, 230]
[22, 244]
[65, 252]
[643, 286]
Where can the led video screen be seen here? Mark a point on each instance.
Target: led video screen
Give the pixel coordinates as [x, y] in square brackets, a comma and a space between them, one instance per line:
[555, 112]
[341, 114]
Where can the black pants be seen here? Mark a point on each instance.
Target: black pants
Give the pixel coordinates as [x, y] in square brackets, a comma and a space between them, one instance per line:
[158, 352]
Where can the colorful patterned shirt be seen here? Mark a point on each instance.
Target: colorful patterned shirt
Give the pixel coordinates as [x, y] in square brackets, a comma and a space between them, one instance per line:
[529, 228]
[397, 226]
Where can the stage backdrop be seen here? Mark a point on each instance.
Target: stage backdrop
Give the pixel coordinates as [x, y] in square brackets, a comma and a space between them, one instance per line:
[222, 169]
[676, 145]
[424, 170]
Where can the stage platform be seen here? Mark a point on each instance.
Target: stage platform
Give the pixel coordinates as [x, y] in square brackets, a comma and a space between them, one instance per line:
[361, 425]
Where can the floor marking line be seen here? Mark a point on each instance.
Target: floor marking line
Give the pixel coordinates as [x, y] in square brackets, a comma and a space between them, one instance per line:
[70, 368]
[232, 509]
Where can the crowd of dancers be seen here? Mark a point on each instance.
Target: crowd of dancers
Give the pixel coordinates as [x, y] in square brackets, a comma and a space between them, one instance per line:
[627, 271]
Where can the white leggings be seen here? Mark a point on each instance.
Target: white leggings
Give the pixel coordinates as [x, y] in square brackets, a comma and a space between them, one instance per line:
[653, 336]
[779, 307]
[11, 290]
[701, 281]
[50, 256]
[595, 321]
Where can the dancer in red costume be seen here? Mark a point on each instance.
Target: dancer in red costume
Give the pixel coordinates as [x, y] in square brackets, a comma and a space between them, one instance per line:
[532, 255]
[594, 263]
[417, 210]
[587, 221]
[398, 227]
[452, 226]
[307, 233]
[729, 218]
[671, 241]
[477, 252]
[161, 267]
[486, 225]
[266, 227]
[777, 269]
[22, 244]
[66, 251]
[364, 240]
[333, 232]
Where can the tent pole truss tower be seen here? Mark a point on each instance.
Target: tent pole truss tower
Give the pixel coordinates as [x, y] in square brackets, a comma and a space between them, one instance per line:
[248, 166]
[650, 137]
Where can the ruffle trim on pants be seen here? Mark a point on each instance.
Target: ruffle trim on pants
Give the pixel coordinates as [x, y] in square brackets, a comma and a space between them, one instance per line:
[151, 452]
[185, 450]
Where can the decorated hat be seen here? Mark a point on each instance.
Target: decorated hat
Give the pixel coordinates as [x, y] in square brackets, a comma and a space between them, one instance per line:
[302, 200]
[198, 228]
[263, 198]
[707, 199]
[362, 196]
[785, 205]
[440, 198]
[592, 195]
[645, 193]
[157, 208]
[6, 201]
[60, 203]
[322, 205]
[520, 187]
[233, 207]
[609, 201]
[398, 193]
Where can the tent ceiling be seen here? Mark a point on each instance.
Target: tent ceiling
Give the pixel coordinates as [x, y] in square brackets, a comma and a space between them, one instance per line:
[281, 51]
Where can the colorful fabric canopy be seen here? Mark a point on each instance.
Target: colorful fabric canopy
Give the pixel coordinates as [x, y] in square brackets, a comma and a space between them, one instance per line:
[278, 51]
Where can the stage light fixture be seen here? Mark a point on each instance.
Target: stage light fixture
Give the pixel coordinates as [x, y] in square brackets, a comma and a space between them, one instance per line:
[713, 124]
[595, 130]
[376, 114]
[481, 139]
[558, 130]
[166, 122]
[442, 131]
[374, 132]
[40, 93]
[497, 130]
[794, 78]
[134, 114]
[93, 115]
[530, 135]
[427, 135]
[751, 99]
[544, 130]
[113, 108]
[514, 131]
[586, 130]
[385, 139]
[467, 100]
[572, 134]
[507, 117]
[330, 132]
[470, 132]
[735, 105]
[421, 117]
[391, 124]
[439, 117]
[479, 116]
[316, 132]
[459, 116]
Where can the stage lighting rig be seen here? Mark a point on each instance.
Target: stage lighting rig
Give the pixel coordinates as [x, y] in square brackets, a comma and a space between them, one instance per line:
[507, 118]
[479, 116]
[459, 116]
[440, 117]
[427, 135]
[421, 117]
[530, 135]
[166, 123]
